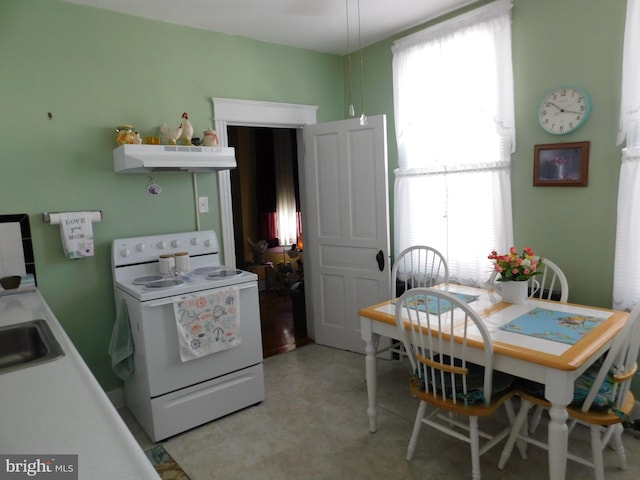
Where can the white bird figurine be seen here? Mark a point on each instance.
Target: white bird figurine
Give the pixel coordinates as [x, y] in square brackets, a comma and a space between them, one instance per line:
[172, 136]
[187, 130]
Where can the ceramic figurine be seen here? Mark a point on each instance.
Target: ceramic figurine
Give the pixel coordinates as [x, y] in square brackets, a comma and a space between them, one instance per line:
[124, 134]
[187, 129]
[171, 136]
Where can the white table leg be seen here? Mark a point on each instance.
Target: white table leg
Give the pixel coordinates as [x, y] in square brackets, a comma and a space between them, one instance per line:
[371, 339]
[559, 391]
[558, 434]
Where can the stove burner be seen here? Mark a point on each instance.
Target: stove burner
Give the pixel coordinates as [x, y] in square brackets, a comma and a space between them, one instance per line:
[145, 280]
[168, 283]
[206, 270]
[224, 273]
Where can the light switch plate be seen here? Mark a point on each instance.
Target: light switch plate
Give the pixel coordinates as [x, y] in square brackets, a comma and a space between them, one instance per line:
[203, 204]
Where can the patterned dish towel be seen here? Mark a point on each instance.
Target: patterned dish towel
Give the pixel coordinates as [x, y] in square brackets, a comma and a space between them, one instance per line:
[207, 323]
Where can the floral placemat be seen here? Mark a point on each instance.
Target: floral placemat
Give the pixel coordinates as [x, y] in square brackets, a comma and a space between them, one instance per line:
[552, 325]
[430, 304]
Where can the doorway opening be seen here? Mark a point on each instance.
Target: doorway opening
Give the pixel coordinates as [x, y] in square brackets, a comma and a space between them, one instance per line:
[268, 230]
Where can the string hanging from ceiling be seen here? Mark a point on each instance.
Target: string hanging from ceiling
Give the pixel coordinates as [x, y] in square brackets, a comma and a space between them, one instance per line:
[352, 110]
[363, 117]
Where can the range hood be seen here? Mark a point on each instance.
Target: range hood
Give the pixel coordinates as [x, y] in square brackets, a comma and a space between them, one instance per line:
[172, 158]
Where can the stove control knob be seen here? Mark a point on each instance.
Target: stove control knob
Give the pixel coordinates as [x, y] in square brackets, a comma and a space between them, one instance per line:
[140, 247]
[207, 242]
[125, 252]
[194, 241]
[162, 244]
[175, 243]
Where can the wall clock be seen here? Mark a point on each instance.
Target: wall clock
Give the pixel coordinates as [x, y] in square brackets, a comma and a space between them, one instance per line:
[564, 110]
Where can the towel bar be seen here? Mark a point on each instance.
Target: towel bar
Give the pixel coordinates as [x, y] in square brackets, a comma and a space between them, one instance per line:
[53, 218]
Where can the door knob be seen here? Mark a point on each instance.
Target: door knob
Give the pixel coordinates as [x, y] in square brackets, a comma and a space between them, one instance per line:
[380, 259]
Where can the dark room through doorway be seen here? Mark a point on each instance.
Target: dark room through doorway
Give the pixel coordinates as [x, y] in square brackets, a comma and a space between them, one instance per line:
[268, 229]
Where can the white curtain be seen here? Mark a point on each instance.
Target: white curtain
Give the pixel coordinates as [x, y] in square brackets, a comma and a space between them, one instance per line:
[626, 277]
[285, 190]
[455, 130]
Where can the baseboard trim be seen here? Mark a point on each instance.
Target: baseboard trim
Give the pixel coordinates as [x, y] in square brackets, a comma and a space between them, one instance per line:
[117, 397]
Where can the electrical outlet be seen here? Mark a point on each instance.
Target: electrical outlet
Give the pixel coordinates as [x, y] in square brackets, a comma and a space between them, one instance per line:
[203, 204]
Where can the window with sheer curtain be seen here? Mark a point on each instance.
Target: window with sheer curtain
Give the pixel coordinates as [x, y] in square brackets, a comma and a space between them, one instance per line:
[454, 119]
[626, 277]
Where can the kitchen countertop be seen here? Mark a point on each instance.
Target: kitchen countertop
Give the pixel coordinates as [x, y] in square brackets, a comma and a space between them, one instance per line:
[60, 408]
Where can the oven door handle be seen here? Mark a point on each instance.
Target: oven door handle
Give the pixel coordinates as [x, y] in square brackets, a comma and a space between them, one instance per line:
[167, 301]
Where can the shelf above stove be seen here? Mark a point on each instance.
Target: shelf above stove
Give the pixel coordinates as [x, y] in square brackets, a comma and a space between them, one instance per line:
[172, 158]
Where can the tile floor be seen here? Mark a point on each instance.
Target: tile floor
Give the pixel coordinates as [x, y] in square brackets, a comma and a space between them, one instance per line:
[313, 425]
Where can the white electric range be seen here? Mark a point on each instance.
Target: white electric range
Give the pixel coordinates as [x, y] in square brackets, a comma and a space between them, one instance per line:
[165, 394]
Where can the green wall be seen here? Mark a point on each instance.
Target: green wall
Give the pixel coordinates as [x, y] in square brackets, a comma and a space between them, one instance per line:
[576, 42]
[555, 42]
[94, 70]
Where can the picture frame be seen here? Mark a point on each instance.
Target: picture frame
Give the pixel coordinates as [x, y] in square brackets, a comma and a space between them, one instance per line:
[561, 164]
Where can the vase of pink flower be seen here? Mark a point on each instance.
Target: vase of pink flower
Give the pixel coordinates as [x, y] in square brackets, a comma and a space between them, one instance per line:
[514, 272]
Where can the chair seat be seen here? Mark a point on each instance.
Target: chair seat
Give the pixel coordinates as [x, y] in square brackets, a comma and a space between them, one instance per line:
[581, 388]
[596, 416]
[501, 384]
[477, 409]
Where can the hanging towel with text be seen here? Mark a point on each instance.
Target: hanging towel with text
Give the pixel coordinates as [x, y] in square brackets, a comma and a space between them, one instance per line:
[76, 231]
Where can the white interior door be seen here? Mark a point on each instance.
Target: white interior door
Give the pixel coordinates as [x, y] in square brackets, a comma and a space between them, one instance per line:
[346, 226]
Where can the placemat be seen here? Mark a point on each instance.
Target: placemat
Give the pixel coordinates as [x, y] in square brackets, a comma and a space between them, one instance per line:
[552, 325]
[430, 304]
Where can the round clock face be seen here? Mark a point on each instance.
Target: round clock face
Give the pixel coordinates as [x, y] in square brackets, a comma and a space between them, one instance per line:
[564, 110]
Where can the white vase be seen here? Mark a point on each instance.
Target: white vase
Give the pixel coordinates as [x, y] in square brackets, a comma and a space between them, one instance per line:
[514, 292]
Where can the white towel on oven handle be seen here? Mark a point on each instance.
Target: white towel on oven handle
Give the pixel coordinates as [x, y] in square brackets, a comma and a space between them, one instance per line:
[207, 323]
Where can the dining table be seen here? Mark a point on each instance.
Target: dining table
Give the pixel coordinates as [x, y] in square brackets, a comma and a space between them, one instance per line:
[548, 342]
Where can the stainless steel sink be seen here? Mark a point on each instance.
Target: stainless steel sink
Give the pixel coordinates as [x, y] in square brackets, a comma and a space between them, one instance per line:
[27, 344]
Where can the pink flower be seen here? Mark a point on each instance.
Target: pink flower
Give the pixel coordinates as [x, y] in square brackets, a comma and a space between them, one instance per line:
[201, 302]
[514, 266]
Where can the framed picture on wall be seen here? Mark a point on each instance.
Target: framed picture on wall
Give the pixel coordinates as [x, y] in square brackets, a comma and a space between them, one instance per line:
[561, 164]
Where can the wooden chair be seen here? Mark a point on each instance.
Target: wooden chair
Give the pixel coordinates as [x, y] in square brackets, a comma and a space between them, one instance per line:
[417, 266]
[445, 378]
[602, 400]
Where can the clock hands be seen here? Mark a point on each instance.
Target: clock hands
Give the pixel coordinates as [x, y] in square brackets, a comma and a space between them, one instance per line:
[563, 110]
